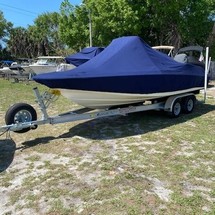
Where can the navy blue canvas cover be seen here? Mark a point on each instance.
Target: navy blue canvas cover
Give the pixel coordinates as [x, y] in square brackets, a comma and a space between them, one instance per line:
[127, 65]
[83, 56]
[7, 62]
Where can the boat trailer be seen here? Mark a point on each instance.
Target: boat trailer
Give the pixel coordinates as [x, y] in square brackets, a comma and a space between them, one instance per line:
[22, 117]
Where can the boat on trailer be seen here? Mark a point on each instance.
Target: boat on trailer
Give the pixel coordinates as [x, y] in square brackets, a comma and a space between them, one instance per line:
[167, 92]
[128, 71]
[22, 117]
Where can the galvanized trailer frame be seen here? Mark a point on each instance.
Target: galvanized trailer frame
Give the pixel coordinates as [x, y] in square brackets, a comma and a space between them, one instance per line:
[171, 105]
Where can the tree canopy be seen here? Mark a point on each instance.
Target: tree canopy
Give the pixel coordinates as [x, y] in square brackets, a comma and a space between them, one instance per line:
[178, 23]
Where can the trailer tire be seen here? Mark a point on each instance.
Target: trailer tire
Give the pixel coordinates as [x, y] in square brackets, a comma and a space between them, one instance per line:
[176, 108]
[20, 112]
[188, 104]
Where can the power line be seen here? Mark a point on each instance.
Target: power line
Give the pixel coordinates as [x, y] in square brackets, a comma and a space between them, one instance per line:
[19, 12]
[18, 9]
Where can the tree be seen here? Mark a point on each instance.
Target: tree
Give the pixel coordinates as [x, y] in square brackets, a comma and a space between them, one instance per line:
[4, 32]
[19, 43]
[178, 23]
[45, 35]
[73, 25]
[42, 38]
[175, 23]
[4, 26]
[197, 24]
[109, 20]
[114, 19]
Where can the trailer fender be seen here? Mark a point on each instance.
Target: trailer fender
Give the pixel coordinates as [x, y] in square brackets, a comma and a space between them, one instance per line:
[171, 100]
[169, 103]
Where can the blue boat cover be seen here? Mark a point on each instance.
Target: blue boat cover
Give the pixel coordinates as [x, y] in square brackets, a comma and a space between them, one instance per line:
[8, 62]
[83, 56]
[127, 65]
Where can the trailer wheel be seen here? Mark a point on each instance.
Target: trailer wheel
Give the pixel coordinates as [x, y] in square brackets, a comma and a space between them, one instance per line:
[18, 113]
[188, 104]
[176, 109]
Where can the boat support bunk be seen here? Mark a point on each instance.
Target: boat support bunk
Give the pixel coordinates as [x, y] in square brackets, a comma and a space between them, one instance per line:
[22, 117]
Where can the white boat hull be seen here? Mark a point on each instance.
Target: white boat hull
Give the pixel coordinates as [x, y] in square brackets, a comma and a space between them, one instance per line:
[6, 70]
[103, 100]
[24, 71]
[39, 69]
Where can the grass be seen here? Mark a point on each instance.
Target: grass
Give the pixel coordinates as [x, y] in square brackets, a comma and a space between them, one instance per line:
[143, 163]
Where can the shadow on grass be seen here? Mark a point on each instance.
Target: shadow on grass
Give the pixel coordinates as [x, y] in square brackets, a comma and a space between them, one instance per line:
[8, 148]
[124, 126]
[132, 124]
[7, 151]
[35, 142]
[107, 128]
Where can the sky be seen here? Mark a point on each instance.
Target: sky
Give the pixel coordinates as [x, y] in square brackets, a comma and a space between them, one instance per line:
[24, 12]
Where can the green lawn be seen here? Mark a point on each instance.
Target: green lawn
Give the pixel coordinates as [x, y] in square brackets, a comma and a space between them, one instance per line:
[143, 163]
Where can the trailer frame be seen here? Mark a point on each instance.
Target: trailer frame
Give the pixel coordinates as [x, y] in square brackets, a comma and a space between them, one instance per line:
[24, 122]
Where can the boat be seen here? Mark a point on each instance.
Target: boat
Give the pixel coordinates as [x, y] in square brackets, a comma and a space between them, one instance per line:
[190, 54]
[193, 55]
[5, 67]
[83, 56]
[46, 64]
[21, 66]
[128, 71]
